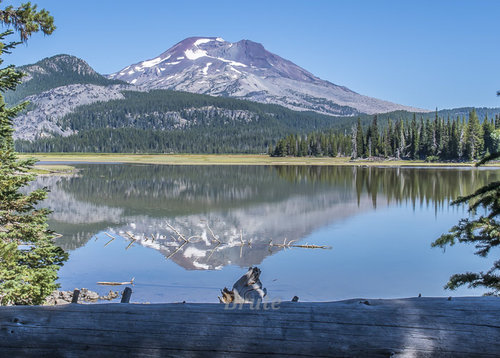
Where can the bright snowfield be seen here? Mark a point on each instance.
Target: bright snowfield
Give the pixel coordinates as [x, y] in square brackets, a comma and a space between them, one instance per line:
[246, 70]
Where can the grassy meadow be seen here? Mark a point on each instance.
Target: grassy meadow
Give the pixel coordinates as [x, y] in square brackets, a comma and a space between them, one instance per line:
[222, 159]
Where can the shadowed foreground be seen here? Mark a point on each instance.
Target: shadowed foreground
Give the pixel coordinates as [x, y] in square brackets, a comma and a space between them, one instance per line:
[461, 327]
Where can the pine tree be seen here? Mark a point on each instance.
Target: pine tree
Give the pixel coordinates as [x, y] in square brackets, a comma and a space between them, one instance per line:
[354, 140]
[280, 149]
[360, 139]
[399, 133]
[488, 129]
[374, 136]
[303, 152]
[447, 154]
[387, 143]
[433, 145]
[454, 143]
[462, 137]
[439, 134]
[474, 142]
[270, 149]
[414, 138]
[422, 148]
[29, 260]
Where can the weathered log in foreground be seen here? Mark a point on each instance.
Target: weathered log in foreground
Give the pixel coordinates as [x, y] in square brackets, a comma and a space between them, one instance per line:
[437, 327]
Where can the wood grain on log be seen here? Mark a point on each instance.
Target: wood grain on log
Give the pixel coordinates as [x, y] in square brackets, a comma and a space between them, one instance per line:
[422, 327]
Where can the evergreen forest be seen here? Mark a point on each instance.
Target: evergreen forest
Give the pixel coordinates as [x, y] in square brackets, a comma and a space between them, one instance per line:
[438, 139]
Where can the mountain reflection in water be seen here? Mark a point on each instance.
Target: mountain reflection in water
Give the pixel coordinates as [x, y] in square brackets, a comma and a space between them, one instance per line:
[259, 204]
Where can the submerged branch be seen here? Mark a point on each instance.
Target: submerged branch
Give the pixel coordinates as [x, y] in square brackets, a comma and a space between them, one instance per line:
[290, 244]
[214, 239]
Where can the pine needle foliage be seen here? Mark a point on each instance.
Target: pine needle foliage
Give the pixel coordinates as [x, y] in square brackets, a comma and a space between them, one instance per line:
[29, 259]
[483, 231]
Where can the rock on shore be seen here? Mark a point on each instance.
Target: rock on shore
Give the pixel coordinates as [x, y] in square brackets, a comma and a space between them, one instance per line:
[86, 295]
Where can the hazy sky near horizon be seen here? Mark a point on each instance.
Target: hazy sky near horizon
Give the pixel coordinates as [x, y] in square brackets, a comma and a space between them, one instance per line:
[425, 54]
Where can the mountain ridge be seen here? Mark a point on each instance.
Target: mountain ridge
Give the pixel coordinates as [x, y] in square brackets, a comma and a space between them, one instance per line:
[55, 71]
[246, 70]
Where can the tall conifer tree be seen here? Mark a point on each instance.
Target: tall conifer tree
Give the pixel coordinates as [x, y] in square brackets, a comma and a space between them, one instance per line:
[360, 139]
[474, 142]
[29, 260]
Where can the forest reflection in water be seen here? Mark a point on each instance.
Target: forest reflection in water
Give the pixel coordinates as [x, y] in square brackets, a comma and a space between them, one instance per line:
[409, 185]
[260, 203]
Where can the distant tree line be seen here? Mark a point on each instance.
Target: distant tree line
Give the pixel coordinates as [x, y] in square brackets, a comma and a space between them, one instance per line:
[134, 140]
[437, 139]
[318, 144]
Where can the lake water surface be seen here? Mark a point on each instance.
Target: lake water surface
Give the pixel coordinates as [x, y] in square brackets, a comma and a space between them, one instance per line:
[379, 223]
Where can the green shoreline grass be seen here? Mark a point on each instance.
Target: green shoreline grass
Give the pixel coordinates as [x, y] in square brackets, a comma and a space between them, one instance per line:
[229, 159]
[49, 169]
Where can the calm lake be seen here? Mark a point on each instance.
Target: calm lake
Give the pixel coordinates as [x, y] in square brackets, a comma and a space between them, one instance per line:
[379, 223]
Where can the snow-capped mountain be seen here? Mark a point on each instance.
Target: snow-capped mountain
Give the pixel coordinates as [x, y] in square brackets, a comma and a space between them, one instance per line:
[245, 69]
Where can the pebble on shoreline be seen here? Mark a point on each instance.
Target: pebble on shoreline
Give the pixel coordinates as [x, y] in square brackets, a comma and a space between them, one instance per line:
[86, 295]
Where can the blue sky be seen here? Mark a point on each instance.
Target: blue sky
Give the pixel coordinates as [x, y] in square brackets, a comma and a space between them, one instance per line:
[425, 54]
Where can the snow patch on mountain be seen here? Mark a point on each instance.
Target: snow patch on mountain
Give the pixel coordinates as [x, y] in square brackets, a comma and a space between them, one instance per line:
[205, 69]
[202, 41]
[152, 62]
[195, 54]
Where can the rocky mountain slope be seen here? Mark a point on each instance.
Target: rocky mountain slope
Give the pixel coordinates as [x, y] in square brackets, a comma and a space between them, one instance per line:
[48, 107]
[245, 69]
[68, 97]
[53, 72]
[54, 87]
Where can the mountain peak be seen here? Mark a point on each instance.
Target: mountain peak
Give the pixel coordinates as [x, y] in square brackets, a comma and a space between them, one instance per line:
[201, 39]
[250, 44]
[52, 72]
[245, 69]
[60, 63]
[191, 44]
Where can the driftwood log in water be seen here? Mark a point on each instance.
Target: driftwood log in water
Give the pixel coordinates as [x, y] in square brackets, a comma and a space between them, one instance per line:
[421, 327]
[247, 289]
[112, 283]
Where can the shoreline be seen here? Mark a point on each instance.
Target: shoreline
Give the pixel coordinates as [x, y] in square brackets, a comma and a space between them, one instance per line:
[56, 159]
